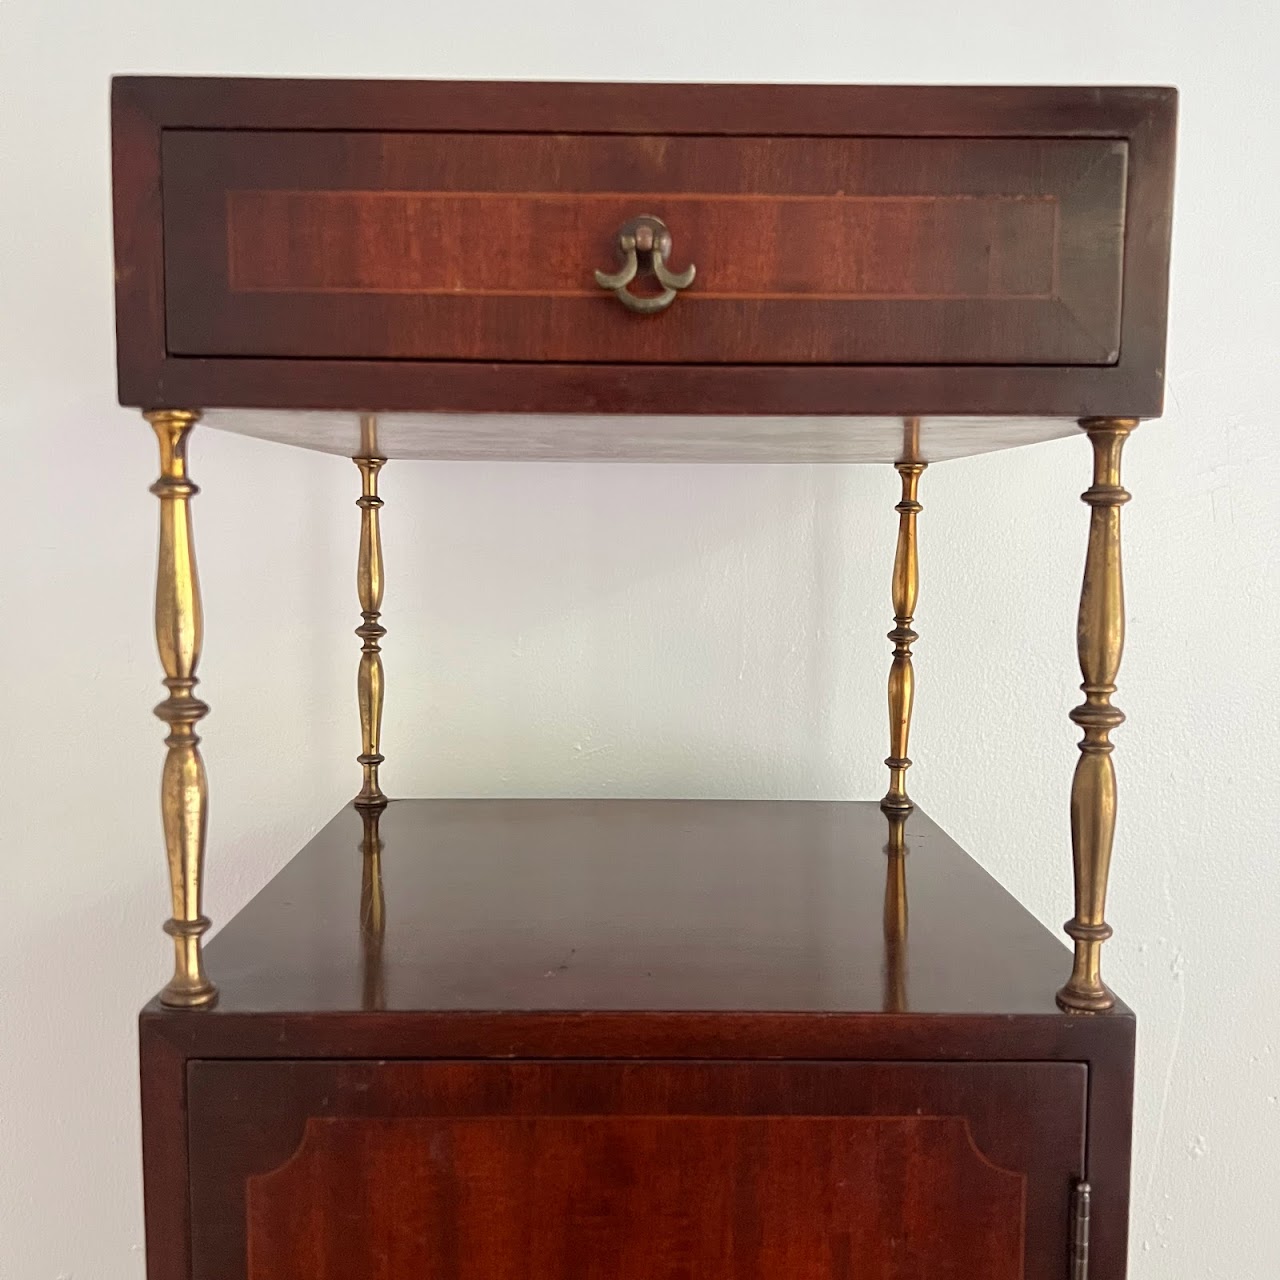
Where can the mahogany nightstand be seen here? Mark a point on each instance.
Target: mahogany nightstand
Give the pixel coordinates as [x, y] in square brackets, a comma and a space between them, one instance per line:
[638, 1040]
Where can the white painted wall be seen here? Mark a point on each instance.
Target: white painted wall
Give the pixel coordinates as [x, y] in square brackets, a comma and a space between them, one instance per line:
[645, 630]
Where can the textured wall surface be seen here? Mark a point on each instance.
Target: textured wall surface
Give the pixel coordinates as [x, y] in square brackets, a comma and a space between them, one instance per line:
[651, 630]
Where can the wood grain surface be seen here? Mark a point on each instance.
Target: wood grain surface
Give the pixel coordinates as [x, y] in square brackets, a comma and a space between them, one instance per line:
[635, 905]
[482, 247]
[861, 250]
[660, 932]
[654, 1172]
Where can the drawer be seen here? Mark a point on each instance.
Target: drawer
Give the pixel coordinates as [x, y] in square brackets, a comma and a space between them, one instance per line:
[434, 246]
[484, 247]
[642, 1171]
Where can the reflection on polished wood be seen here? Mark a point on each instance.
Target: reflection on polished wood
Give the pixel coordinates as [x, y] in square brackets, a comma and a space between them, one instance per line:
[179, 635]
[1100, 639]
[906, 588]
[370, 631]
[736, 906]
[895, 915]
[373, 923]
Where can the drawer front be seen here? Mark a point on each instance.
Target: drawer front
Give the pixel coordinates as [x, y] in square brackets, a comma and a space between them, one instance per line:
[386, 1171]
[483, 247]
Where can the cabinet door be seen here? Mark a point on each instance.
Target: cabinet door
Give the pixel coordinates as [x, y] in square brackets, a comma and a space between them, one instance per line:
[637, 1171]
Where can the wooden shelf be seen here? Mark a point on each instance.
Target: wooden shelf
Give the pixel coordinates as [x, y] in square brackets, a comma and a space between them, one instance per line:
[518, 906]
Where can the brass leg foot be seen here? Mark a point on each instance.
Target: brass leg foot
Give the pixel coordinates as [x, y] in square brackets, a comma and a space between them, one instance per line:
[179, 635]
[906, 588]
[370, 631]
[1100, 640]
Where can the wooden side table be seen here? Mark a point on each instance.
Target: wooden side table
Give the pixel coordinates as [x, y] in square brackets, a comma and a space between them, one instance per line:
[642, 1040]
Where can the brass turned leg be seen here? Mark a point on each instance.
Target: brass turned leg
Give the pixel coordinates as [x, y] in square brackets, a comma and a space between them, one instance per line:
[1100, 640]
[179, 635]
[902, 684]
[370, 631]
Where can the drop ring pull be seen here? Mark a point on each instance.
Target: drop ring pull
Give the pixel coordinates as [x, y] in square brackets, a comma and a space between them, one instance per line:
[645, 243]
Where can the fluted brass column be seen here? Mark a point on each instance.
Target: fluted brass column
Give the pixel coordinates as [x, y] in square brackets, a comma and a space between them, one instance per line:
[1100, 640]
[179, 635]
[370, 631]
[902, 681]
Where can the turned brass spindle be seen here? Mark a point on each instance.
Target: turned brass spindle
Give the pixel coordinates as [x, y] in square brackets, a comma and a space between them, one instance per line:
[1100, 640]
[906, 588]
[895, 914]
[372, 911]
[179, 635]
[370, 631]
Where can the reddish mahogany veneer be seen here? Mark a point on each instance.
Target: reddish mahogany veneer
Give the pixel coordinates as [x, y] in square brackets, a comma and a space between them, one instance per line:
[395, 246]
[482, 247]
[640, 1172]
[625, 1037]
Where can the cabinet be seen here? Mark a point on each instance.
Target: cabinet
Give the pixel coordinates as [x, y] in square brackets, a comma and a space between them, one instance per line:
[638, 1040]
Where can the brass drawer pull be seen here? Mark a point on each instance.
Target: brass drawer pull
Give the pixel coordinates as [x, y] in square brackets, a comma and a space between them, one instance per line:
[646, 240]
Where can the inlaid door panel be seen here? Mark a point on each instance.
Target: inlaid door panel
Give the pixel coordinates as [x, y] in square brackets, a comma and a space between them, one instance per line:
[654, 1171]
[455, 246]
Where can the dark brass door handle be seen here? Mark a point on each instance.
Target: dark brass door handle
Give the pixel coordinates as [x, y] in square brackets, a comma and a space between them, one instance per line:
[645, 242]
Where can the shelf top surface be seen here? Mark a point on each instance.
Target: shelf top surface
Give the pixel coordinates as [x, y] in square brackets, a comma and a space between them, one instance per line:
[635, 905]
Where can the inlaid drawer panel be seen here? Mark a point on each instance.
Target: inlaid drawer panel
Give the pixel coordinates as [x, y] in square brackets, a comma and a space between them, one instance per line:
[640, 1171]
[484, 247]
